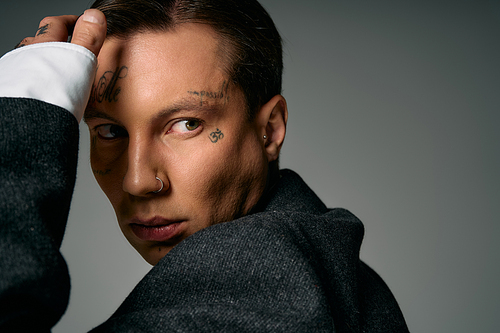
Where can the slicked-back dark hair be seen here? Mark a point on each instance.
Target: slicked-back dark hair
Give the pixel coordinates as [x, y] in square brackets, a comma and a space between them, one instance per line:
[249, 43]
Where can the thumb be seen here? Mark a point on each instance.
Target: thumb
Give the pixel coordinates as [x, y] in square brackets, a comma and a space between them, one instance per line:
[90, 30]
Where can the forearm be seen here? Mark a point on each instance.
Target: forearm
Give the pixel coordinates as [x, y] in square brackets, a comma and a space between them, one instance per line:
[39, 84]
[38, 157]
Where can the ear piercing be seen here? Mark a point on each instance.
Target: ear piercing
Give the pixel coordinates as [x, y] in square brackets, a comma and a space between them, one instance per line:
[161, 188]
[265, 137]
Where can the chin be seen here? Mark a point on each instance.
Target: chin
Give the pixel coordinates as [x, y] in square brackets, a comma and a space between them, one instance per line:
[154, 254]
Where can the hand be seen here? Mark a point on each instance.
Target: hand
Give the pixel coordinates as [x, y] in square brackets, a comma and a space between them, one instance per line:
[89, 30]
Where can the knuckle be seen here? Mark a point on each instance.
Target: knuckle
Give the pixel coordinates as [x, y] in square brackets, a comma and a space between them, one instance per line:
[47, 20]
[24, 42]
[85, 36]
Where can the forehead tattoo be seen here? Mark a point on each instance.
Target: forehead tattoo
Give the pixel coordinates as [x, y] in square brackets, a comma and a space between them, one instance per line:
[205, 95]
[107, 87]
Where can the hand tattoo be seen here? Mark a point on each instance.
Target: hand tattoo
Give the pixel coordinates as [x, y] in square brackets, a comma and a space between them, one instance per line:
[42, 30]
[21, 43]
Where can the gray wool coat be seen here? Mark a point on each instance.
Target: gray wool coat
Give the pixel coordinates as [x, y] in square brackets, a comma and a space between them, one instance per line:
[293, 266]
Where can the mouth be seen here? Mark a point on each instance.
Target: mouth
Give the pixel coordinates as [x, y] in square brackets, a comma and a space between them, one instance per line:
[156, 229]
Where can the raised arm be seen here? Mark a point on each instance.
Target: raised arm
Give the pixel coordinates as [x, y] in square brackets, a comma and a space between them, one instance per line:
[38, 157]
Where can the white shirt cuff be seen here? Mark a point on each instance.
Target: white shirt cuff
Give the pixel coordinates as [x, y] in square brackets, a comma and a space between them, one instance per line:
[57, 73]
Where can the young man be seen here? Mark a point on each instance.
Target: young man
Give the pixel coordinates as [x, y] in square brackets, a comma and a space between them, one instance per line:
[186, 123]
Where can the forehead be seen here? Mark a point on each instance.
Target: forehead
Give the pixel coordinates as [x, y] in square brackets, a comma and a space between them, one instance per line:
[189, 41]
[182, 59]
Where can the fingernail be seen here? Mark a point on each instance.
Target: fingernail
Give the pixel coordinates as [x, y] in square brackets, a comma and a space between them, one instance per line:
[93, 16]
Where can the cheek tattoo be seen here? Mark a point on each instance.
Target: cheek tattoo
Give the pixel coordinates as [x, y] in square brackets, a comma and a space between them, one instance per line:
[93, 145]
[106, 89]
[216, 136]
[93, 142]
[101, 172]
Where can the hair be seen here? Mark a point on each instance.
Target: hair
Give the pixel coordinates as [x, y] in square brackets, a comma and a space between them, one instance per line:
[250, 47]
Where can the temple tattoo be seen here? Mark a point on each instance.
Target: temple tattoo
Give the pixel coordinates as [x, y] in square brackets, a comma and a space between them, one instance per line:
[42, 30]
[216, 136]
[220, 95]
[106, 88]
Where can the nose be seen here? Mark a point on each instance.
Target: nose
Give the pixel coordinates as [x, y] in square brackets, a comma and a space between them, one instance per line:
[142, 177]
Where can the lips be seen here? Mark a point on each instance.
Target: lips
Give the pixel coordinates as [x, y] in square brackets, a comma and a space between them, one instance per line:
[156, 229]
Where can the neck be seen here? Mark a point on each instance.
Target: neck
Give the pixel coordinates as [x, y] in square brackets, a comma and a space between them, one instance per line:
[273, 177]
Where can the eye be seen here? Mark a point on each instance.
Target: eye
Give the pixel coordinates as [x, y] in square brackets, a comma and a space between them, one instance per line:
[187, 125]
[111, 131]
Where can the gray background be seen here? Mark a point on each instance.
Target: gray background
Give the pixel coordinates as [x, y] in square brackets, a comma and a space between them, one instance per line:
[394, 114]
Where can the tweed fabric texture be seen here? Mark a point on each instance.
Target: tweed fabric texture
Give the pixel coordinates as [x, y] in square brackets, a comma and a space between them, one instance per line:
[38, 157]
[291, 267]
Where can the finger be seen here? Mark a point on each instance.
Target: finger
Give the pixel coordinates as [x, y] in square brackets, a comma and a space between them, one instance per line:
[24, 42]
[55, 29]
[90, 30]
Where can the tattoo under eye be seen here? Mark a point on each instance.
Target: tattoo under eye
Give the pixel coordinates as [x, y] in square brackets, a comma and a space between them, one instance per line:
[93, 142]
[216, 136]
[101, 172]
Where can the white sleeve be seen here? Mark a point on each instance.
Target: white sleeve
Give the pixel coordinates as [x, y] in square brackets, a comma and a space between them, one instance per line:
[57, 73]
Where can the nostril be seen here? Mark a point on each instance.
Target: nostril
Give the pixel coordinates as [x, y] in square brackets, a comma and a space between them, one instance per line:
[161, 186]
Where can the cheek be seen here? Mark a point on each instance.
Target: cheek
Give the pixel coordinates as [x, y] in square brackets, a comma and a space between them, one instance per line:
[225, 181]
[111, 186]
[107, 170]
[107, 155]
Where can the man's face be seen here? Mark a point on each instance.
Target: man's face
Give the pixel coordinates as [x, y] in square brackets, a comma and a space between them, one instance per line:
[162, 107]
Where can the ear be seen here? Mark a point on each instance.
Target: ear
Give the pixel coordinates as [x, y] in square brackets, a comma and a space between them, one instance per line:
[272, 118]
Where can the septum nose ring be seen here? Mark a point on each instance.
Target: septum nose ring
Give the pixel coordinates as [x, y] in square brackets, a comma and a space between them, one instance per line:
[161, 188]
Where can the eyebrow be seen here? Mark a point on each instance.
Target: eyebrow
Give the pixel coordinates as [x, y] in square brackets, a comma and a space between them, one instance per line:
[92, 113]
[190, 105]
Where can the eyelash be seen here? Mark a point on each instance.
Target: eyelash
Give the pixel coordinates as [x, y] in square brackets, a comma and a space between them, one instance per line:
[121, 131]
[186, 121]
[118, 131]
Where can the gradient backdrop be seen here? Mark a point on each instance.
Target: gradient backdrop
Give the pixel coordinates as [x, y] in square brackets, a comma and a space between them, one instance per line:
[394, 115]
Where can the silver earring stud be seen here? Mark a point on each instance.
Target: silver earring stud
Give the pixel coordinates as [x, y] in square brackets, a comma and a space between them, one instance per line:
[265, 137]
[161, 188]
